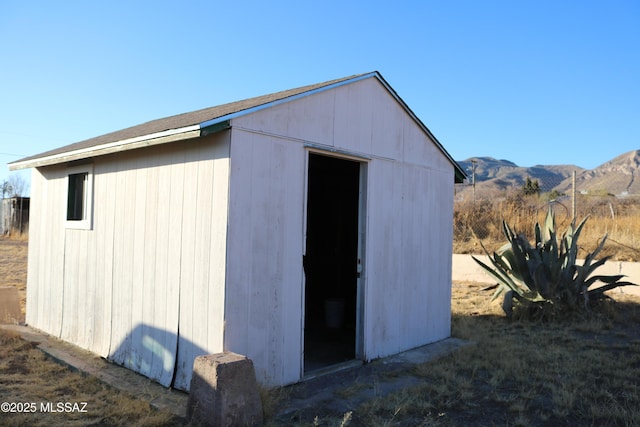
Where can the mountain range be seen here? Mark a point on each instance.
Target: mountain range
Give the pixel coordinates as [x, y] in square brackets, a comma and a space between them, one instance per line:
[619, 176]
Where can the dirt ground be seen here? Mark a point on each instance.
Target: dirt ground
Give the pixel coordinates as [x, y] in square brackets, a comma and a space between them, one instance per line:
[573, 373]
[13, 266]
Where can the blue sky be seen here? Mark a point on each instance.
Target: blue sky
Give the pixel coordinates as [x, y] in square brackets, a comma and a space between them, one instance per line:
[534, 82]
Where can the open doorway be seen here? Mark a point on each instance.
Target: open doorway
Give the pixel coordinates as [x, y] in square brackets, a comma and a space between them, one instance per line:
[331, 262]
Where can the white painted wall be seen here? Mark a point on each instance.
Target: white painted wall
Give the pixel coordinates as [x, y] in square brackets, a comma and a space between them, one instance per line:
[408, 263]
[203, 262]
[155, 258]
[264, 297]
[46, 250]
[409, 209]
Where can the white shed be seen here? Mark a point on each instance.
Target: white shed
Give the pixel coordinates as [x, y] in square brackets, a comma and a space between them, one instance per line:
[304, 229]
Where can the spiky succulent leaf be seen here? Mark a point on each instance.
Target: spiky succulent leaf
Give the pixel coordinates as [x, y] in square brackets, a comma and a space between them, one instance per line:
[549, 225]
[497, 272]
[598, 293]
[547, 273]
[537, 234]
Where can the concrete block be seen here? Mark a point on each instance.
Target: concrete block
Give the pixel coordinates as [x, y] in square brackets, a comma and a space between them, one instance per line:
[224, 392]
[9, 306]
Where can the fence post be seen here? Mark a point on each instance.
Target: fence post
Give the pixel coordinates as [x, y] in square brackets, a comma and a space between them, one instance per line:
[573, 196]
[21, 213]
[473, 181]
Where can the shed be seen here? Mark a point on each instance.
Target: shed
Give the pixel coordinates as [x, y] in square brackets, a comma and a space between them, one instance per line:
[304, 229]
[14, 215]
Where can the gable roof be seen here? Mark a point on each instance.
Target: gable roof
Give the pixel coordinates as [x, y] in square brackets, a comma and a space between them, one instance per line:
[198, 123]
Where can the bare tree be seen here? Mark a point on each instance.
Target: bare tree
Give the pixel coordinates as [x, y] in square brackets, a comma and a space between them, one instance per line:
[6, 188]
[18, 185]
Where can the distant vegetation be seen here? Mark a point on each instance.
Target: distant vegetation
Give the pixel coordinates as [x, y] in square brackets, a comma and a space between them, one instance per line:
[543, 279]
[482, 221]
[15, 186]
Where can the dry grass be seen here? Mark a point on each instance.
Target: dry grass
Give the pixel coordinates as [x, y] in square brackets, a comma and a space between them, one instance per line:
[571, 373]
[619, 219]
[580, 372]
[28, 377]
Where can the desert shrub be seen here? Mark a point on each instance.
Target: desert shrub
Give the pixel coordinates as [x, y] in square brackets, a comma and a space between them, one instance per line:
[544, 280]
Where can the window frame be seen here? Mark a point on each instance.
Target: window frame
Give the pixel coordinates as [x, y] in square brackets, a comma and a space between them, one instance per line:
[86, 223]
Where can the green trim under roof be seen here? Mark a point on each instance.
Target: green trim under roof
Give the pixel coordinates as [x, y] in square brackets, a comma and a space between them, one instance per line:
[215, 128]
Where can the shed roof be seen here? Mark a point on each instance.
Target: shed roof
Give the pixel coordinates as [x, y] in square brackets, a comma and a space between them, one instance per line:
[195, 124]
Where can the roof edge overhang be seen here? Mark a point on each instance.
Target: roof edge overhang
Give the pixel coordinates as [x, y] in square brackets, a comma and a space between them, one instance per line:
[157, 138]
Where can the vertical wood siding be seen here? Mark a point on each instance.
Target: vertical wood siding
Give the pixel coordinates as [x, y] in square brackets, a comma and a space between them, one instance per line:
[46, 251]
[203, 270]
[407, 274]
[154, 259]
[264, 276]
[104, 229]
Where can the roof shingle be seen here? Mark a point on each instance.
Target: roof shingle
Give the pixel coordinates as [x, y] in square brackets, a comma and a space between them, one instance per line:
[183, 120]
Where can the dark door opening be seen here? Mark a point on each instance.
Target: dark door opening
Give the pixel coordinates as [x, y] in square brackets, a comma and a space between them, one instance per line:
[330, 263]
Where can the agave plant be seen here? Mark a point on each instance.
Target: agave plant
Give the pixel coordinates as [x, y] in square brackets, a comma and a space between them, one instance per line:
[546, 276]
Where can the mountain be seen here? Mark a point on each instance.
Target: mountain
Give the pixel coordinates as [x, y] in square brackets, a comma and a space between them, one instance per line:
[619, 176]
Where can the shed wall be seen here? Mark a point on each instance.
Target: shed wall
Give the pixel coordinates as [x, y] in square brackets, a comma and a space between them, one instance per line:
[154, 258]
[409, 233]
[264, 275]
[46, 250]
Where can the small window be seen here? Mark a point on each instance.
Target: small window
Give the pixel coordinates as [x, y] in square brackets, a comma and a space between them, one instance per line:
[79, 197]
